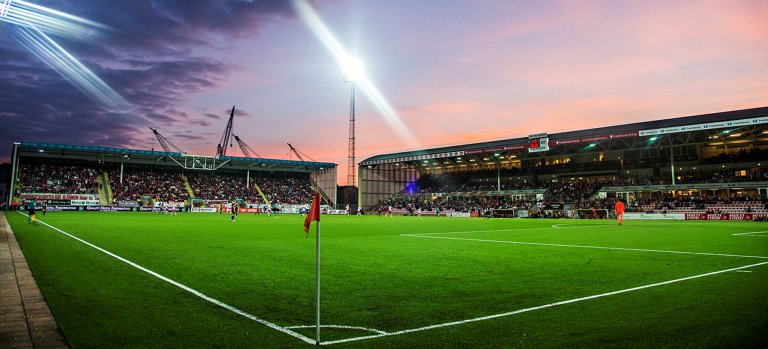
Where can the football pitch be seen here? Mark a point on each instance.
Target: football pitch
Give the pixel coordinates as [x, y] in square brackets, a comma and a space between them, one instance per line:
[198, 280]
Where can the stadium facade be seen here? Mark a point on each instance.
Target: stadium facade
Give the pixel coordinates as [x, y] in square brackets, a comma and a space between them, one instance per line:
[107, 160]
[676, 149]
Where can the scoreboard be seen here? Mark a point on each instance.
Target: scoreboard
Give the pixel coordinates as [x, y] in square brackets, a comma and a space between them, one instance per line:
[538, 142]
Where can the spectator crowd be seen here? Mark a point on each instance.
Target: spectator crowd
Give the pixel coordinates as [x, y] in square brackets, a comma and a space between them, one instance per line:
[140, 184]
[58, 179]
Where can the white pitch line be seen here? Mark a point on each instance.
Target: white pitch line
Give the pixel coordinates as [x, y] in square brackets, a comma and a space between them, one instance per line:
[585, 246]
[752, 233]
[561, 226]
[346, 327]
[550, 305]
[187, 288]
[498, 230]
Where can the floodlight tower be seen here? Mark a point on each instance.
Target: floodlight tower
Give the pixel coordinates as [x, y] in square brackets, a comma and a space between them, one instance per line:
[353, 70]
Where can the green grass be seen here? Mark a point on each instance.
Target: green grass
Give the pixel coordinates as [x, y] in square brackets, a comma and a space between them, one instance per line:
[374, 277]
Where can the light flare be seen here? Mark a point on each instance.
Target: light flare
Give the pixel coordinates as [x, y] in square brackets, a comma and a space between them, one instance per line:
[56, 57]
[50, 21]
[362, 81]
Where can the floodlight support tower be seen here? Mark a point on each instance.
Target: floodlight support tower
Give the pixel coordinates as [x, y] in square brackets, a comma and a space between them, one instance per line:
[224, 142]
[351, 168]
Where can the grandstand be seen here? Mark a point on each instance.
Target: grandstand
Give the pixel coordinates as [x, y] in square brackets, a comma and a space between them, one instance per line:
[716, 161]
[72, 177]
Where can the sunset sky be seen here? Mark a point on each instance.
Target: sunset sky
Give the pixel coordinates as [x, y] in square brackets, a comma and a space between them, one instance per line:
[453, 71]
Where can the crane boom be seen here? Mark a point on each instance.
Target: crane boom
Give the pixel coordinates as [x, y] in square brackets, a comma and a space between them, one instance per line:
[221, 148]
[299, 154]
[164, 142]
[245, 148]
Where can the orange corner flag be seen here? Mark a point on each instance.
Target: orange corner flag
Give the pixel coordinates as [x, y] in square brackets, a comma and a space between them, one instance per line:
[314, 213]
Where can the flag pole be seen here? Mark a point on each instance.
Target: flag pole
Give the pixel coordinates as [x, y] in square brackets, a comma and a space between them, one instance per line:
[317, 266]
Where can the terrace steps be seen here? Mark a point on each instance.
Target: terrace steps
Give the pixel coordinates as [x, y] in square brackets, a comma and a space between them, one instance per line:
[319, 189]
[188, 186]
[264, 197]
[105, 190]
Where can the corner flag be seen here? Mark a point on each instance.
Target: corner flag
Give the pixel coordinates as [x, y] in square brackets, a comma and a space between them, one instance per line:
[314, 213]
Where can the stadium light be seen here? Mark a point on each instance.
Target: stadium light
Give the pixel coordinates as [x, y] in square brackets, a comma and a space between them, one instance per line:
[353, 69]
[363, 81]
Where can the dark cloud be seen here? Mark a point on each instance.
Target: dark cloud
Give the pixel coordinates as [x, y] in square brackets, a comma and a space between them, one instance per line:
[155, 57]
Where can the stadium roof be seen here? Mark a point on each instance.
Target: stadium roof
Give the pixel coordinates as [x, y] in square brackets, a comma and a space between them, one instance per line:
[136, 156]
[729, 119]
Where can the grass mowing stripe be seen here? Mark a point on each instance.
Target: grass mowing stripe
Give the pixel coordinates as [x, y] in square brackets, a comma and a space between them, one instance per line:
[185, 288]
[584, 246]
[550, 305]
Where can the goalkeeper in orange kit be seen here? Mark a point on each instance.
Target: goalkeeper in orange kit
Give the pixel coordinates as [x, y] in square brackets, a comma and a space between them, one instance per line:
[619, 211]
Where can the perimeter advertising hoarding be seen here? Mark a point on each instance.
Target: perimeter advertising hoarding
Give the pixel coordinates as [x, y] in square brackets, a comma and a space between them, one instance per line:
[598, 138]
[720, 216]
[84, 202]
[654, 216]
[62, 208]
[57, 202]
[705, 126]
[96, 208]
[52, 196]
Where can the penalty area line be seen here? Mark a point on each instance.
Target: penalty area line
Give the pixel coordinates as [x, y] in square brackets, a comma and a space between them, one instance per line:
[479, 231]
[584, 246]
[344, 327]
[752, 233]
[545, 306]
[187, 288]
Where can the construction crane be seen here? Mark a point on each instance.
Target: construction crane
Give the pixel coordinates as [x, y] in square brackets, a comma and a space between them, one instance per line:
[164, 142]
[247, 151]
[299, 154]
[221, 148]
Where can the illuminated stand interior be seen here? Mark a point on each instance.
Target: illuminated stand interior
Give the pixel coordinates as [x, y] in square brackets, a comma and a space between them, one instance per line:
[667, 146]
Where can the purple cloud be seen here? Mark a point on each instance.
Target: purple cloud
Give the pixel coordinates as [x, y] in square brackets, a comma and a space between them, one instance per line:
[156, 57]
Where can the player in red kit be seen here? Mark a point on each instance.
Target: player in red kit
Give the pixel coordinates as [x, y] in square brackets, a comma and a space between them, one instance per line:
[620, 211]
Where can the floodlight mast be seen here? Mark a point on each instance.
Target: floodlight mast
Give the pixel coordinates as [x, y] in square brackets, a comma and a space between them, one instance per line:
[245, 148]
[221, 148]
[353, 70]
[351, 168]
